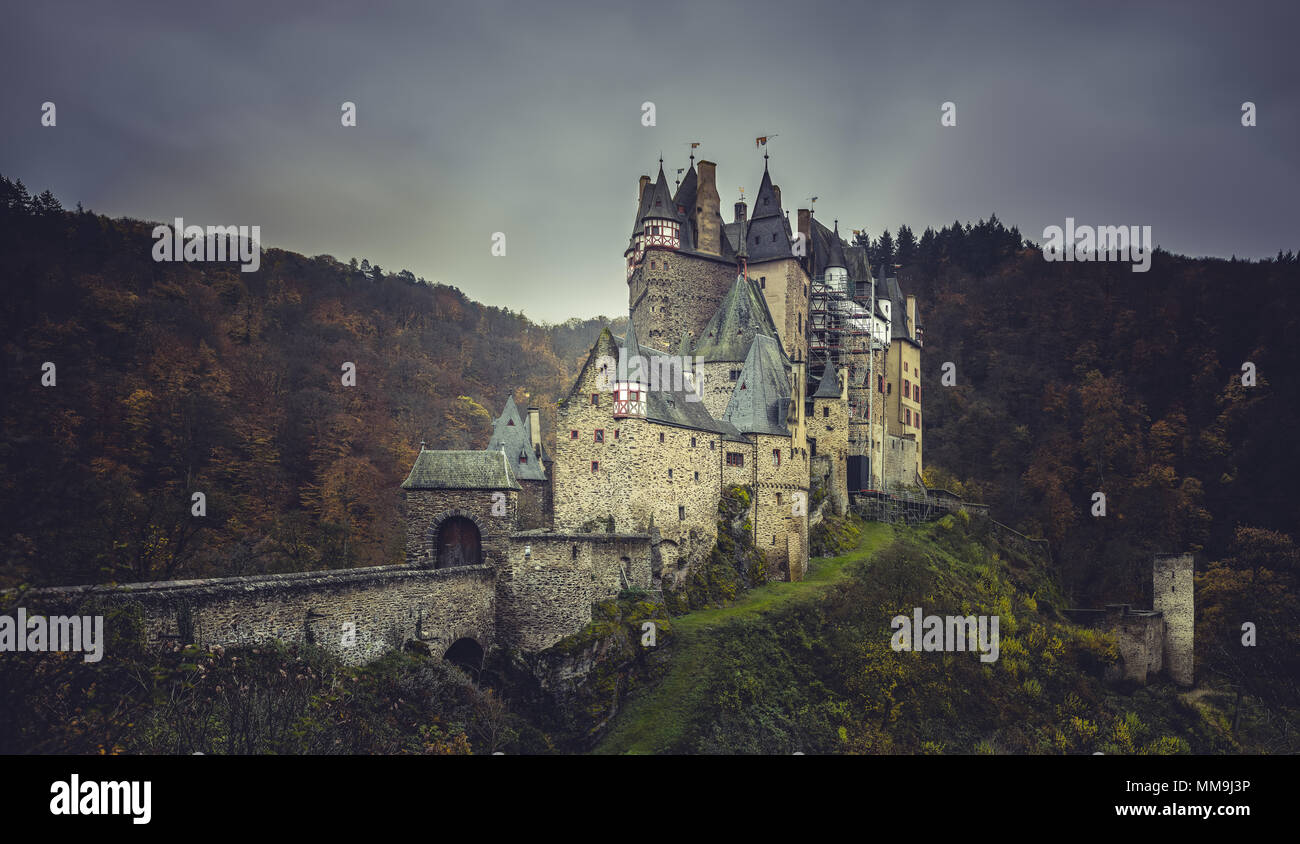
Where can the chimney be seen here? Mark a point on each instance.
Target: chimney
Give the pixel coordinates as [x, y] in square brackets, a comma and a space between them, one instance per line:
[911, 316]
[640, 192]
[708, 219]
[776, 189]
[740, 214]
[535, 429]
[805, 224]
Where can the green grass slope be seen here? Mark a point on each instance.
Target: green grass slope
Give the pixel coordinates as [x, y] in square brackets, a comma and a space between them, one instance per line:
[808, 666]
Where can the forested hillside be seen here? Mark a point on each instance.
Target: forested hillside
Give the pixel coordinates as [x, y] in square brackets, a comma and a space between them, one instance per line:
[1071, 379]
[1077, 378]
[175, 378]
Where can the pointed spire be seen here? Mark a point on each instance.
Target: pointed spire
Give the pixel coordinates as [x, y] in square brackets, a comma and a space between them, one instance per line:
[829, 388]
[767, 204]
[741, 316]
[661, 205]
[836, 257]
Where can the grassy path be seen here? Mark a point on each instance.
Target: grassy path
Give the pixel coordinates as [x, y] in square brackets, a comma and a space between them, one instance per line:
[653, 719]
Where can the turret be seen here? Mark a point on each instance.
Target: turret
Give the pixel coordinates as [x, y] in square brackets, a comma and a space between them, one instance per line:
[661, 224]
[631, 380]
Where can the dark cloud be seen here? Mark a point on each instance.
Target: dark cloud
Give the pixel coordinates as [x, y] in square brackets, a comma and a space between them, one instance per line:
[524, 118]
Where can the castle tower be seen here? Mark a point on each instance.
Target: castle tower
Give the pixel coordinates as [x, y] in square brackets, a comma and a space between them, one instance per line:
[1173, 595]
[828, 433]
[679, 263]
[779, 272]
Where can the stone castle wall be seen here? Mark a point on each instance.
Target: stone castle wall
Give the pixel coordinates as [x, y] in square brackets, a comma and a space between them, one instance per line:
[672, 292]
[553, 579]
[355, 614]
[785, 287]
[781, 518]
[644, 471]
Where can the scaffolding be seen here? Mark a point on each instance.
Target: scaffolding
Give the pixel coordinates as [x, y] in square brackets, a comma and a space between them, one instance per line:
[900, 507]
[840, 315]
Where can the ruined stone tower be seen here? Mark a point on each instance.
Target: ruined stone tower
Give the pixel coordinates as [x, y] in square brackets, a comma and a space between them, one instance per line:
[1172, 593]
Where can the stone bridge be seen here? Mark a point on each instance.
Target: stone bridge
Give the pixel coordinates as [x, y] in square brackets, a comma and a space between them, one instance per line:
[355, 614]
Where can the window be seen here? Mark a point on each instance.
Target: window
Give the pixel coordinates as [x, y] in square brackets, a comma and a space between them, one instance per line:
[907, 389]
[735, 459]
[697, 476]
[523, 457]
[916, 393]
[681, 513]
[918, 419]
[661, 438]
[735, 375]
[616, 433]
[595, 399]
[904, 366]
[776, 457]
[774, 539]
[826, 411]
[762, 280]
[575, 552]
[598, 435]
[573, 435]
[889, 388]
[692, 442]
[907, 416]
[778, 498]
[595, 465]
[710, 445]
[670, 474]
[510, 423]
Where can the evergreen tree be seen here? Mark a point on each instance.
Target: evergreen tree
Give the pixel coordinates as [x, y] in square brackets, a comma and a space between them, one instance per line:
[905, 252]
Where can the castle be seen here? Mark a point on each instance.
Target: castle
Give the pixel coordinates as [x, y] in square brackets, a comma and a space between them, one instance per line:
[757, 354]
[795, 373]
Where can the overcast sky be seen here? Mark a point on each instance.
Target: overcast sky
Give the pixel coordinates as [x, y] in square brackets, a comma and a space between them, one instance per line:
[525, 118]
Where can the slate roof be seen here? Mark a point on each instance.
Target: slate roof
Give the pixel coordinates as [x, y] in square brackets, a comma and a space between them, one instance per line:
[767, 236]
[640, 213]
[510, 430]
[460, 470]
[685, 198]
[890, 289]
[735, 235]
[761, 400]
[742, 315]
[829, 388]
[672, 407]
[660, 204]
